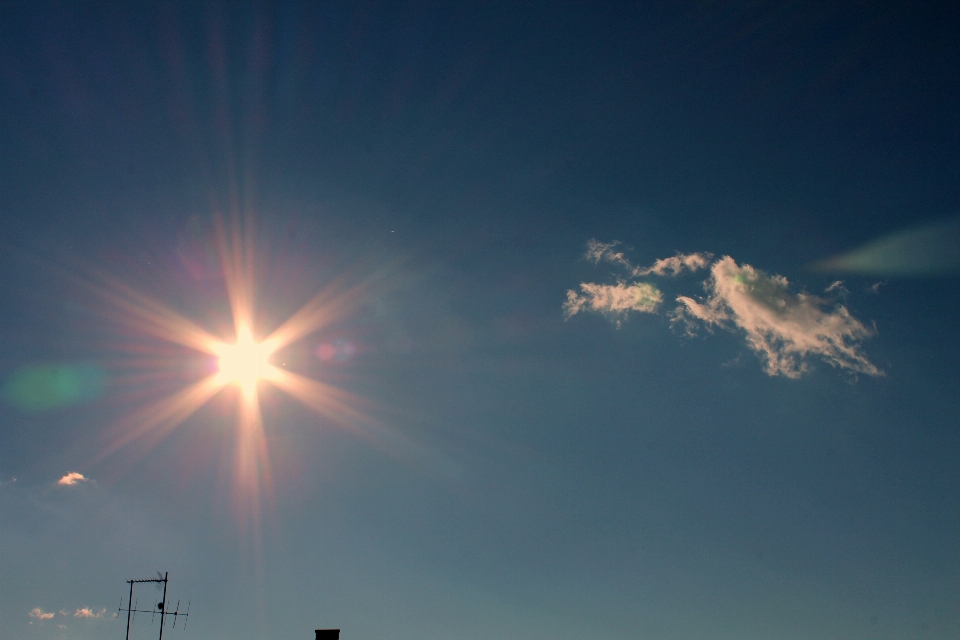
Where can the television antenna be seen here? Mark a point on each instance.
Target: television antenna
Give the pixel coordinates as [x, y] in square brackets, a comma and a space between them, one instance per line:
[159, 608]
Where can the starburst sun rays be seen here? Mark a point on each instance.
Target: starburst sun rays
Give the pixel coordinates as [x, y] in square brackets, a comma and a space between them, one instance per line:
[240, 360]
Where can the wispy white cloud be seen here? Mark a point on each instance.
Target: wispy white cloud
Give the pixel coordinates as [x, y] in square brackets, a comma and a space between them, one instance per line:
[676, 264]
[40, 614]
[604, 252]
[614, 300]
[784, 328]
[71, 479]
[87, 612]
[838, 287]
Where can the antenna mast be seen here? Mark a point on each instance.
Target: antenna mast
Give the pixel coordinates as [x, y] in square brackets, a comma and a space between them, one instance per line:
[161, 607]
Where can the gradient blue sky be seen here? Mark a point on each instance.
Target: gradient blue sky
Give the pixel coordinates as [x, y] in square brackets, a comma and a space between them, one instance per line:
[520, 471]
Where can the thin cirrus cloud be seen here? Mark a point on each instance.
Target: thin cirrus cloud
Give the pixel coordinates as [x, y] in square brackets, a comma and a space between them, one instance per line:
[71, 479]
[784, 329]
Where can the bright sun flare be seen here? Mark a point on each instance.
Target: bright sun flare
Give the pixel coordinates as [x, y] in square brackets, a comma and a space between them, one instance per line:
[243, 363]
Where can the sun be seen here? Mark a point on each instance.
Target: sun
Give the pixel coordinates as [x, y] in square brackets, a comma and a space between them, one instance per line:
[243, 363]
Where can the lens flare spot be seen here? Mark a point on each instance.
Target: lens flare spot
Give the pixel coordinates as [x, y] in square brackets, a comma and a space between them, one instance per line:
[928, 250]
[336, 351]
[43, 387]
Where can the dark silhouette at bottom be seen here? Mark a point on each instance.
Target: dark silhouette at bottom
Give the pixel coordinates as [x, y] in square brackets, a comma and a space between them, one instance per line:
[328, 634]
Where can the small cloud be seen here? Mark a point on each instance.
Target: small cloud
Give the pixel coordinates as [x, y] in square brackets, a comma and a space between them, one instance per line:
[40, 614]
[87, 612]
[602, 251]
[677, 264]
[838, 287]
[734, 362]
[875, 287]
[783, 327]
[613, 299]
[71, 479]
[597, 251]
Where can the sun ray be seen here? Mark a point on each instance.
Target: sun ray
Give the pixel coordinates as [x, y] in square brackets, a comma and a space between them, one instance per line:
[333, 303]
[251, 465]
[332, 403]
[342, 409]
[237, 260]
[143, 313]
[150, 425]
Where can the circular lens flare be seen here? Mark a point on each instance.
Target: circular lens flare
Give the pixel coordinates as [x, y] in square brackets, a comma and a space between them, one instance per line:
[244, 362]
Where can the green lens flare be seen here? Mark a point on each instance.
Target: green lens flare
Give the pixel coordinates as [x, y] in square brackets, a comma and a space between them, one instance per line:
[43, 387]
[932, 249]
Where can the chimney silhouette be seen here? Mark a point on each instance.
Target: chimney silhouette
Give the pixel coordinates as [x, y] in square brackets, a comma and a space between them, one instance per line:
[328, 634]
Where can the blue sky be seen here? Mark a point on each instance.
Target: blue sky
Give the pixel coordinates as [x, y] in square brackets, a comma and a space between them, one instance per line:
[635, 321]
